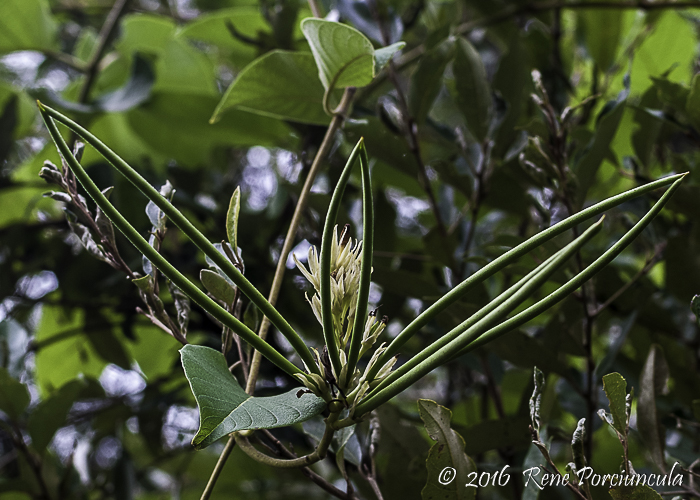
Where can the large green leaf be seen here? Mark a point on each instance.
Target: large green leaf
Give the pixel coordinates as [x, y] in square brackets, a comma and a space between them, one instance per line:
[447, 462]
[14, 396]
[25, 25]
[177, 125]
[145, 33]
[472, 89]
[224, 407]
[212, 28]
[182, 68]
[280, 84]
[64, 352]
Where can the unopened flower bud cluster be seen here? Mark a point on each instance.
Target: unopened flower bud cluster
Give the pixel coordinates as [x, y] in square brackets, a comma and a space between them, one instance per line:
[345, 282]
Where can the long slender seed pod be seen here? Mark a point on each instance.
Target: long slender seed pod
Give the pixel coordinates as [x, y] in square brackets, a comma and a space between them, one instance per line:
[447, 352]
[158, 260]
[503, 305]
[192, 233]
[511, 256]
[325, 280]
[366, 269]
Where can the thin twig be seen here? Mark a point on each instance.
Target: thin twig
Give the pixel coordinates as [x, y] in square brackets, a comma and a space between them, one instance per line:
[218, 468]
[284, 451]
[67, 59]
[411, 137]
[650, 263]
[315, 8]
[105, 36]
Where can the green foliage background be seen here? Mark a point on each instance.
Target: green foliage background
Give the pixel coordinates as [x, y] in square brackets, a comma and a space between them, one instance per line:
[98, 394]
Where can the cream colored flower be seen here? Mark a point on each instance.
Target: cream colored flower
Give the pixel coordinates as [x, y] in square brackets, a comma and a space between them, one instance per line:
[346, 263]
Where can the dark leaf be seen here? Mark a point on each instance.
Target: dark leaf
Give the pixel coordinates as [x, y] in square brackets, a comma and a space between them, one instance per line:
[652, 383]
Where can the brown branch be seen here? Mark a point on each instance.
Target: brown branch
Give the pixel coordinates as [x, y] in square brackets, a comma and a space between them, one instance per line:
[105, 36]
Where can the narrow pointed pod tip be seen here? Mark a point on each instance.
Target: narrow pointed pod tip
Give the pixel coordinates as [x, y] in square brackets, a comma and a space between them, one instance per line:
[158, 260]
[325, 257]
[495, 311]
[578, 280]
[366, 266]
[511, 256]
[193, 234]
[467, 343]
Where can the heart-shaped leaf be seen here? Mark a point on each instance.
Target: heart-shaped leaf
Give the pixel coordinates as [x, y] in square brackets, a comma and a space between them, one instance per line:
[224, 407]
[344, 56]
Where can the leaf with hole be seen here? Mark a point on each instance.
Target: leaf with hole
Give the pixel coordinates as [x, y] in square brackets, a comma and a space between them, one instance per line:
[224, 407]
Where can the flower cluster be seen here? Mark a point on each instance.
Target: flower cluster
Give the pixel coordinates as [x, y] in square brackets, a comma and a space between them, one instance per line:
[345, 281]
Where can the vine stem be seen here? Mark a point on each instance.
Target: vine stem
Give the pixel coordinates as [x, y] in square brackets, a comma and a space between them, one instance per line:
[323, 151]
[318, 454]
[218, 468]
